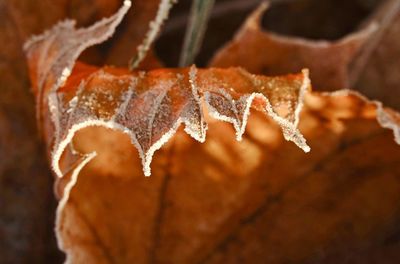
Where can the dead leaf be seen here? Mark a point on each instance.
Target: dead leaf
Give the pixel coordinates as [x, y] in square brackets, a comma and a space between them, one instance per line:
[331, 62]
[380, 78]
[148, 106]
[334, 207]
[195, 210]
[27, 201]
[220, 201]
[231, 201]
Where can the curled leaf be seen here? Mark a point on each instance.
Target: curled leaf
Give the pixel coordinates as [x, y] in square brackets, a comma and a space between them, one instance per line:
[149, 106]
[207, 195]
[223, 195]
[265, 52]
[52, 55]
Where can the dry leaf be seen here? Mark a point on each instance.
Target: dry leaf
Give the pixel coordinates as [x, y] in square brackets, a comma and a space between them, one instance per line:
[380, 78]
[333, 208]
[330, 61]
[202, 198]
[26, 194]
[189, 211]
[149, 106]
[220, 201]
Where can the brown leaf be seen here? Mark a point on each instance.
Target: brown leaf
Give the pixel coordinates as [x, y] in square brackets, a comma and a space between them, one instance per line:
[330, 61]
[333, 207]
[224, 201]
[26, 194]
[380, 78]
[219, 202]
[148, 106]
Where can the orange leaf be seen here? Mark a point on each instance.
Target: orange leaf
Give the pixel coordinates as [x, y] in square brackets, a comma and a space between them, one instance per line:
[204, 199]
[224, 201]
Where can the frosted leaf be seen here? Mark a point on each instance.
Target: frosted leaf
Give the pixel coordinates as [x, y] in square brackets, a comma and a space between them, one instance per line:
[280, 97]
[55, 51]
[150, 106]
[101, 96]
[51, 56]
[223, 107]
[164, 100]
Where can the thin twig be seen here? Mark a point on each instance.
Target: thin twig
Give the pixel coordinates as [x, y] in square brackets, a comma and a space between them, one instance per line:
[199, 14]
[155, 25]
